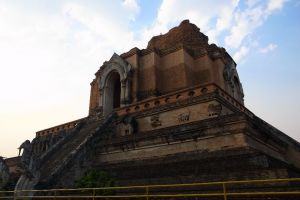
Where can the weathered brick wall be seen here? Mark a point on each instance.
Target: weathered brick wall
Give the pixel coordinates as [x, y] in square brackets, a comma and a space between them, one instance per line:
[179, 59]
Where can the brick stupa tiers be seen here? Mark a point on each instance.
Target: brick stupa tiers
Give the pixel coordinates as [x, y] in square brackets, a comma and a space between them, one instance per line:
[185, 34]
[170, 113]
[181, 58]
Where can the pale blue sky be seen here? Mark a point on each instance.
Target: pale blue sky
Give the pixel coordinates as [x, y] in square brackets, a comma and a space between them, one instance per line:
[50, 50]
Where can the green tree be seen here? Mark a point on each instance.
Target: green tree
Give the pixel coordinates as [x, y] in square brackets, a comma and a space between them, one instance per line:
[97, 179]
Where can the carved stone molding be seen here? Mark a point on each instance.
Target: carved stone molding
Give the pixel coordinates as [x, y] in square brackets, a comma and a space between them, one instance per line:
[155, 121]
[183, 117]
[124, 70]
[178, 104]
[214, 110]
[147, 93]
[231, 77]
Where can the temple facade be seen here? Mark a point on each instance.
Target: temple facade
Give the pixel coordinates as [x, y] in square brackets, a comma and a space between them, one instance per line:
[171, 113]
[180, 59]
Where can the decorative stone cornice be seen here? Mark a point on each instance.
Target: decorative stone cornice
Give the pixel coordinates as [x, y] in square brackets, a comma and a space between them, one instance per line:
[55, 129]
[182, 98]
[115, 63]
[188, 131]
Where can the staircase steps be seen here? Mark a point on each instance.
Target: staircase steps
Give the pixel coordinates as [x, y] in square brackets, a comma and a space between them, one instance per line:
[56, 159]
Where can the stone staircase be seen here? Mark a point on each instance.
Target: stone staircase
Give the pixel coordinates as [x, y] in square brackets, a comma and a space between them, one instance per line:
[53, 162]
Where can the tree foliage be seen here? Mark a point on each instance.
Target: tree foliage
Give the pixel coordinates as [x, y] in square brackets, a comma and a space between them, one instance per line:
[97, 179]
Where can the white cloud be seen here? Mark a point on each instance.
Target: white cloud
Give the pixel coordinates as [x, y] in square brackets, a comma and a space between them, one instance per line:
[275, 5]
[251, 3]
[201, 13]
[233, 22]
[110, 30]
[246, 21]
[49, 56]
[241, 53]
[42, 47]
[132, 7]
[224, 21]
[268, 48]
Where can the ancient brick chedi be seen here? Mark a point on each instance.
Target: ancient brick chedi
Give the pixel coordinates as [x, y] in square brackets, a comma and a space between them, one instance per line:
[180, 59]
[170, 113]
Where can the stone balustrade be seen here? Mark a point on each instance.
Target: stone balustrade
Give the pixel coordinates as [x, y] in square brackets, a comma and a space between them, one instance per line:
[155, 102]
[58, 128]
[235, 103]
[181, 95]
[165, 99]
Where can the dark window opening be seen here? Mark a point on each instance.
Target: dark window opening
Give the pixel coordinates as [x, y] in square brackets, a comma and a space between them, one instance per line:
[117, 93]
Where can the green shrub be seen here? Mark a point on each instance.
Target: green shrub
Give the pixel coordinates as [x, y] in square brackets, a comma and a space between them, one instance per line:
[97, 179]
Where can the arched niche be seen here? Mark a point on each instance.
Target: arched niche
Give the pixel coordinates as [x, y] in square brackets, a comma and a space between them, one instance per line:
[114, 84]
[112, 92]
[237, 90]
[233, 84]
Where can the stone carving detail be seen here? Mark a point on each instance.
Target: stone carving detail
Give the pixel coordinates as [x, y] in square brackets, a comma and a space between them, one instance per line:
[229, 70]
[27, 152]
[4, 173]
[125, 71]
[214, 110]
[155, 121]
[183, 117]
[29, 161]
[230, 74]
[99, 109]
[118, 64]
[128, 126]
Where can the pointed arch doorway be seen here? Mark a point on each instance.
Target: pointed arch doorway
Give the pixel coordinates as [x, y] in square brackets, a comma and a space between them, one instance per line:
[114, 84]
[112, 92]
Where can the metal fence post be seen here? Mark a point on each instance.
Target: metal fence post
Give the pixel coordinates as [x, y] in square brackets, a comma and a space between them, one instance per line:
[54, 194]
[147, 192]
[94, 193]
[224, 191]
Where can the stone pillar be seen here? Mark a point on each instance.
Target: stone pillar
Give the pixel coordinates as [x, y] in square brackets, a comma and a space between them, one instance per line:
[100, 97]
[123, 93]
[128, 91]
[106, 105]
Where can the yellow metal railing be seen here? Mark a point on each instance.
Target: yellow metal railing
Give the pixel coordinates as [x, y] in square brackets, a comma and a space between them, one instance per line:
[223, 190]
